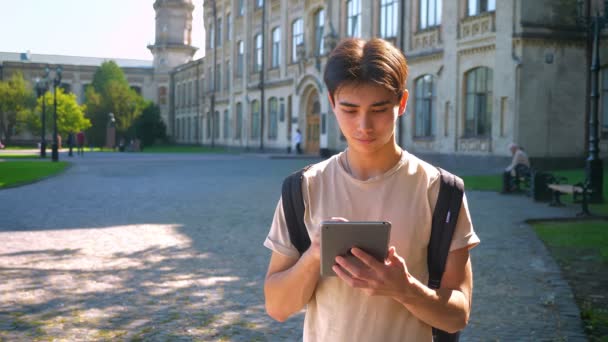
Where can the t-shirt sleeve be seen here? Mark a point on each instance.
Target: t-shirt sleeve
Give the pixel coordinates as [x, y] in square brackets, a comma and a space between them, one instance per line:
[278, 236]
[464, 234]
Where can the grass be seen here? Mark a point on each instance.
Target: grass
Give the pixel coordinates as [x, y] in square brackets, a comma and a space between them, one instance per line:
[484, 183]
[19, 156]
[15, 173]
[581, 250]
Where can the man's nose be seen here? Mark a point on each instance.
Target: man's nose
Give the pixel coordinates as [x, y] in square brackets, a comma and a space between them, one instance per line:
[365, 122]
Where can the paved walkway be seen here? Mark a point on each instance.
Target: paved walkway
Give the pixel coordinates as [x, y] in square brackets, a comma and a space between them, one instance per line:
[168, 247]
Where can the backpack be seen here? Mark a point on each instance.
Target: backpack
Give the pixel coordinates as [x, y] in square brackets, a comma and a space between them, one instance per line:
[445, 216]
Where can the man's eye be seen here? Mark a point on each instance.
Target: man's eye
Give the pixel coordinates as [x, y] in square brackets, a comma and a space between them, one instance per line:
[350, 111]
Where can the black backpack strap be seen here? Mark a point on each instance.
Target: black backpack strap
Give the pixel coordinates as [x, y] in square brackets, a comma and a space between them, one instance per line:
[293, 208]
[445, 216]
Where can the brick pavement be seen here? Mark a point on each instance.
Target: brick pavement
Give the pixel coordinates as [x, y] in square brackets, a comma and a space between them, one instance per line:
[131, 247]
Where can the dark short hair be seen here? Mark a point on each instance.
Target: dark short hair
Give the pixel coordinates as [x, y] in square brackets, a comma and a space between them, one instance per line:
[356, 61]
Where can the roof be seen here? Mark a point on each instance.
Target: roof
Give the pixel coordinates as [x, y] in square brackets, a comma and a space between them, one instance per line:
[71, 60]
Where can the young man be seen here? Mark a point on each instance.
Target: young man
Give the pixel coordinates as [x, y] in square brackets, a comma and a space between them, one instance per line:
[372, 180]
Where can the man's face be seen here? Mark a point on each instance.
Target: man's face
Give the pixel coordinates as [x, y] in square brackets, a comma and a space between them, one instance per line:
[366, 114]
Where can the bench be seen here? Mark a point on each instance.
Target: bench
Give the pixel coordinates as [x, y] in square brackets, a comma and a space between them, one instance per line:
[574, 190]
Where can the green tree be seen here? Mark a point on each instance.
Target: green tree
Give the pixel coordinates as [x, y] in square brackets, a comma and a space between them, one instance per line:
[70, 115]
[149, 126]
[16, 101]
[110, 93]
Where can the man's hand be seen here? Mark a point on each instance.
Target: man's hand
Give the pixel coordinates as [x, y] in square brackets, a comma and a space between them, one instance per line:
[375, 278]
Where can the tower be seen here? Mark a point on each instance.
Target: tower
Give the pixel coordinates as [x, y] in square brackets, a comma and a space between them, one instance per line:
[173, 45]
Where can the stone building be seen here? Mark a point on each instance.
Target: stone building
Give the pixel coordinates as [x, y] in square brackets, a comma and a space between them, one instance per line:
[483, 73]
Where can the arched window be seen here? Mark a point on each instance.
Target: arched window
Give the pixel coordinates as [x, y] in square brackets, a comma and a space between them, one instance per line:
[353, 18]
[478, 112]
[319, 21]
[255, 120]
[389, 10]
[276, 47]
[425, 106]
[239, 121]
[257, 53]
[226, 124]
[297, 38]
[273, 108]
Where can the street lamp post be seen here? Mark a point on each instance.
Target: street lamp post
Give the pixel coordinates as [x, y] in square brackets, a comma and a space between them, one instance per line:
[593, 166]
[56, 82]
[42, 86]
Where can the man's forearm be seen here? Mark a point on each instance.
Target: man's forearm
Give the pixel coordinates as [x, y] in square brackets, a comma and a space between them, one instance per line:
[288, 291]
[445, 309]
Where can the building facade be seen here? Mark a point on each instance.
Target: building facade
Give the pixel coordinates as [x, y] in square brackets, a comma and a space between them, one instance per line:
[483, 74]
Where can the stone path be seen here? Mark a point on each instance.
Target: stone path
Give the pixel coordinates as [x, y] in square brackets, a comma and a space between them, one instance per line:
[168, 247]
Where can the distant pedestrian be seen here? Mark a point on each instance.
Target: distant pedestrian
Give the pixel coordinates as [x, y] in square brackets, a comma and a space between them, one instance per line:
[297, 138]
[80, 138]
[70, 143]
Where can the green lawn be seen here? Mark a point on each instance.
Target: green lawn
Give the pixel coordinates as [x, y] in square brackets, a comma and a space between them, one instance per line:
[18, 156]
[22, 172]
[485, 183]
[184, 149]
[581, 250]
[23, 147]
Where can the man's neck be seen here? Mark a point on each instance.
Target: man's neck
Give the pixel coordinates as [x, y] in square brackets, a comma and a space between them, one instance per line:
[364, 166]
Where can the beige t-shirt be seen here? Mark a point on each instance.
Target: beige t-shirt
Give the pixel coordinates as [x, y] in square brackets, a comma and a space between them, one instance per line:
[405, 196]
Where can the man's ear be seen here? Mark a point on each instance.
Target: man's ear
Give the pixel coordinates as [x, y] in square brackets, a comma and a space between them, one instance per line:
[331, 100]
[403, 102]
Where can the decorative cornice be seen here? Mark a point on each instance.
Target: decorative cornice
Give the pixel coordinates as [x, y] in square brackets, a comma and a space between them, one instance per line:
[432, 55]
[476, 50]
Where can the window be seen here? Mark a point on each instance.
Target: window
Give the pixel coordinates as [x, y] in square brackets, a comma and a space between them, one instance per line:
[209, 80]
[257, 54]
[388, 18]
[211, 38]
[188, 130]
[219, 32]
[208, 125]
[240, 58]
[478, 104]
[226, 124]
[353, 15]
[430, 13]
[273, 107]
[162, 95]
[228, 26]
[297, 34]
[604, 117]
[227, 79]
[477, 7]
[259, 3]
[255, 120]
[218, 78]
[216, 125]
[425, 106]
[239, 121]
[319, 21]
[276, 47]
[241, 7]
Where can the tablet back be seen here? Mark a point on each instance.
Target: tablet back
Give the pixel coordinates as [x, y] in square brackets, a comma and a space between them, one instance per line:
[337, 238]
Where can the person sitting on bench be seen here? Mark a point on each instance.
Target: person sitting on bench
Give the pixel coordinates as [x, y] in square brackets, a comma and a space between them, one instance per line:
[510, 174]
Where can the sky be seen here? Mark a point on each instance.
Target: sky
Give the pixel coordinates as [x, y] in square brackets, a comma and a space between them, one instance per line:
[92, 28]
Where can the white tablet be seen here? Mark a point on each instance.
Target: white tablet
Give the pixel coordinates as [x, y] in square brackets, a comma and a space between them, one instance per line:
[337, 238]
